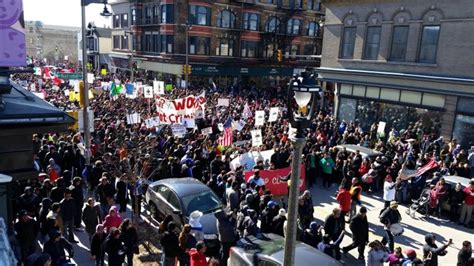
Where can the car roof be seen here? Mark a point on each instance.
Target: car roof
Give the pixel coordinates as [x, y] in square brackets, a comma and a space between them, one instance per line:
[182, 186]
[271, 247]
[365, 152]
[454, 179]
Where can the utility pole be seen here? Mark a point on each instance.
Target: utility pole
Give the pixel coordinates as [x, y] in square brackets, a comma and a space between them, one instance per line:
[85, 96]
[186, 74]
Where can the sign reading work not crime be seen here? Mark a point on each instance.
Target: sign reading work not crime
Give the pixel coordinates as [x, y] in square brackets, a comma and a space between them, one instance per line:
[174, 111]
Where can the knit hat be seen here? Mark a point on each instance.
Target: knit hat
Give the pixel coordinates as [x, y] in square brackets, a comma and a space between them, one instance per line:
[411, 253]
[194, 219]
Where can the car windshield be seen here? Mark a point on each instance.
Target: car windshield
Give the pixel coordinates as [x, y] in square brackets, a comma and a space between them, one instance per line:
[205, 202]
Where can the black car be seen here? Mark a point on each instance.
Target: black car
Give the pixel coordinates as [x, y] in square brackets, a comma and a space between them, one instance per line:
[179, 197]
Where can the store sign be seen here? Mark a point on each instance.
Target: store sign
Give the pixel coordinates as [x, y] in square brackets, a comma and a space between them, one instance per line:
[203, 70]
[69, 76]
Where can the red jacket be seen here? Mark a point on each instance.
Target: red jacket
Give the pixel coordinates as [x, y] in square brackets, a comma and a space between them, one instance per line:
[344, 199]
[469, 199]
[197, 258]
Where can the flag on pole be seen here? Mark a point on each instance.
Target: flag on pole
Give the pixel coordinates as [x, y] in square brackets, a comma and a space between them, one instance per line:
[226, 139]
[114, 90]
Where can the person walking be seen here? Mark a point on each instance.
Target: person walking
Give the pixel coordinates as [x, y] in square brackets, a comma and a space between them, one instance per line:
[333, 226]
[197, 255]
[468, 205]
[389, 191]
[26, 229]
[112, 220]
[360, 233]
[68, 212]
[129, 238]
[327, 166]
[105, 193]
[465, 254]
[56, 246]
[170, 244]
[121, 197]
[97, 245]
[114, 248]
[91, 217]
[377, 255]
[356, 191]
[186, 242]
[77, 194]
[226, 227]
[431, 251]
[344, 199]
[389, 217]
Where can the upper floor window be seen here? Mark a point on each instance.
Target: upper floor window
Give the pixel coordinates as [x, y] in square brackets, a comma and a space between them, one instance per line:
[295, 4]
[348, 41]
[273, 25]
[314, 5]
[293, 26]
[226, 47]
[136, 16]
[313, 29]
[251, 21]
[429, 44]
[117, 21]
[200, 15]
[167, 13]
[156, 14]
[199, 45]
[116, 42]
[148, 14]
[399, 43]
[124, 42]
[372, 43]
[124, 20]
[226, 19]
[166, 43]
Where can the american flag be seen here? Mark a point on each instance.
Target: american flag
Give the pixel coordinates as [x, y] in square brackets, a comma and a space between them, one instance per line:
[226, 139]
[405, 173]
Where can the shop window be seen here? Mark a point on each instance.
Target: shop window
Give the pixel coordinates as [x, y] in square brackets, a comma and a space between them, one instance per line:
[346, 89]
[399, 43]
[124, 41]
[465, 105]
[249, 49]
[199, 45]
[463, 128]
[411, 97]
[269, 50]
[372, 43]
[348, 41]
[359, 91]
[429, 44]
[390, 94]
[347, 109]
[372, 92]
[226, 47]
[117, 21]
[434, 100]
[156, 43]
[116, 42]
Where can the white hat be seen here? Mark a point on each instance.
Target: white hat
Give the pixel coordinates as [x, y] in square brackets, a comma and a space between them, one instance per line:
[282, 212]
[194, 219]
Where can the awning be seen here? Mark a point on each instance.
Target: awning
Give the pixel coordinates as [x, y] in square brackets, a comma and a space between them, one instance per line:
[209, 70]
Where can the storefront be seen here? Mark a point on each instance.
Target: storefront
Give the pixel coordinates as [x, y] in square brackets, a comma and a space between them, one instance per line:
[464, 123]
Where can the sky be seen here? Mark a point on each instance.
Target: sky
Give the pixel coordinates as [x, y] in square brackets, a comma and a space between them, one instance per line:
[64, 12]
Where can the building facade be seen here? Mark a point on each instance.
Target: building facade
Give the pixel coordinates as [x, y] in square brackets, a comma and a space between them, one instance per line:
[402, 61]
[53, 43]
[227, 38]
[99, 46]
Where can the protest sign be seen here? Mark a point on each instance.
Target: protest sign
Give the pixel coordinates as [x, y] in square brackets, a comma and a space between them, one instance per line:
[273, 179]
[223, 102]
[240, 125]
[257, 139]
[273, 114]
[174, 111]
[152, 122]
[90, 78]
[381, 129]
[206, 131]
[259, 118]
[220, 126]
[178, 130]
[133, 118]
[148, 92]
[189, 122]
[158, 87]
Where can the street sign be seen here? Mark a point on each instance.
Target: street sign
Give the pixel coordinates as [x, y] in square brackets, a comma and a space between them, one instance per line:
[69, 76]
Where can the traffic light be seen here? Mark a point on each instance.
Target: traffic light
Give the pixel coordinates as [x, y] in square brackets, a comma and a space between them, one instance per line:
[279, 55]
[187, 69]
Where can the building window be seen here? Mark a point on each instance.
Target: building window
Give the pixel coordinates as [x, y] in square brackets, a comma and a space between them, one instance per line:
[273, 25]
[134, 16]
[200, 15]
[226, 47]
[156, 14]
[124, 42]
[309, 49]
[399, 43]
[269, 51]
[372, 43]
[249, 49]
[166, 43]
[124, 20]
[92, 44]
[314, 5]
[116, 42]
[226, 19]
[156, 43]
[348, 41]
[116, 21]
[251, 21]
[167, 13]
[293, 26]
[429, 44]
[296, 4]
[148, 14]
[199, 45]
[294, 50]
[313, 29]
[146, 44]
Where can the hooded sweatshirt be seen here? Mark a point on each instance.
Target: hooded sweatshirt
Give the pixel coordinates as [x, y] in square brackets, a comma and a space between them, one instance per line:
[113, 219]
[197, 258]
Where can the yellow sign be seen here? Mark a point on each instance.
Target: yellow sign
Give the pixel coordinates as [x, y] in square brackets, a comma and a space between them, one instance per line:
[74, 115]
[103, 71]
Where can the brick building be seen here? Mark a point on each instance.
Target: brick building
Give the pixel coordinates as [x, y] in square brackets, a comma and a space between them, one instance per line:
[231, 39]
[55, 43]
[402, 61]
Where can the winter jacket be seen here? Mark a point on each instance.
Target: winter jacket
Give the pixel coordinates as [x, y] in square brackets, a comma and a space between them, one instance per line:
[114, 249]
[360, 229]
[333, 227]
[130, 240]
[91, 218]
[170, 244]
[26, 231]
[344, 199]
[97, 244]
[197, 258]
[68, 209]
[56, 250]
[226, 227]
[435, 252]
[78, 196]
[277, 225]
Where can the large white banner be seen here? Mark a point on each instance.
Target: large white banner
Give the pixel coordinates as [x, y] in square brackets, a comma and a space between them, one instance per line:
[174, 111]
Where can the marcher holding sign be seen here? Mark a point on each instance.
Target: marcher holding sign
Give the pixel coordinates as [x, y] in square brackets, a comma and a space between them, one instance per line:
[223, 102]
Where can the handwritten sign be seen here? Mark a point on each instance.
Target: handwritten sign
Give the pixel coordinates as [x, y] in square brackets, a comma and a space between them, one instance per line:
[259, 118]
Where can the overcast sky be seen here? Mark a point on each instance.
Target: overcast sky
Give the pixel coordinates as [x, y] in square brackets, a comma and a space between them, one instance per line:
[64, 12]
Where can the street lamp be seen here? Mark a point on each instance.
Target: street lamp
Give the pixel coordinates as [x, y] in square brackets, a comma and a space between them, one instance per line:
[85, 94]
[304, 91]
[130, 33]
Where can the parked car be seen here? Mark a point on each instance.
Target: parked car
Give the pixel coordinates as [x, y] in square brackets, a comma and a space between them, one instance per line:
[364, 152]
[268, 250]
[179, 197]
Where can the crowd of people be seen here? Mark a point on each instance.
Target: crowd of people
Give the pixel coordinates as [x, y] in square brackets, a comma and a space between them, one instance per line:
[126, 157]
